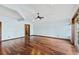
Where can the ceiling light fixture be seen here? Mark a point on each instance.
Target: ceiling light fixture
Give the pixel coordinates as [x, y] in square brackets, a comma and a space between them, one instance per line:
[39, 17]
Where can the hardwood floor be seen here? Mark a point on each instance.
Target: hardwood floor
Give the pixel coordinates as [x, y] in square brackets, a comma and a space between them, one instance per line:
[38, 46]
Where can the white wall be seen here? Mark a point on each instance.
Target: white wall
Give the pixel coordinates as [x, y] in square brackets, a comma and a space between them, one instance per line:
[55, 24]
[52, 28]
[11, 28]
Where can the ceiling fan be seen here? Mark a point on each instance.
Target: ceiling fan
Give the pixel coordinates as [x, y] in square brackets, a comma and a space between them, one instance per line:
[39, 17]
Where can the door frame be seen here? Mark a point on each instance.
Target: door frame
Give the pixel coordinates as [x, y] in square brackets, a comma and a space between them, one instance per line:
[27, 33]
[0, 33]
[74, 29]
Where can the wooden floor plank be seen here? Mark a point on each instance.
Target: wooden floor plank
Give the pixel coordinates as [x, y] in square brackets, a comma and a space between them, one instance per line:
[37, 46]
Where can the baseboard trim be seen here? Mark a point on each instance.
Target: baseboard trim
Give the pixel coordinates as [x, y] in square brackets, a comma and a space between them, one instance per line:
[52, 37]
[12, 39]
[38, 36]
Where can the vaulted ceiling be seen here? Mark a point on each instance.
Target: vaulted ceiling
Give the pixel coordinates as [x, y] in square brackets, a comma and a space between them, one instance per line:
[49, 11]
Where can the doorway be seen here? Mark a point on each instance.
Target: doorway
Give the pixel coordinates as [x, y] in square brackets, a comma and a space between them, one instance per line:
[27, 33]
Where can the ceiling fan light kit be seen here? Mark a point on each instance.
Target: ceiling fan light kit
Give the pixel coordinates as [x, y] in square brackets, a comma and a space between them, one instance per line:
[39, 17]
